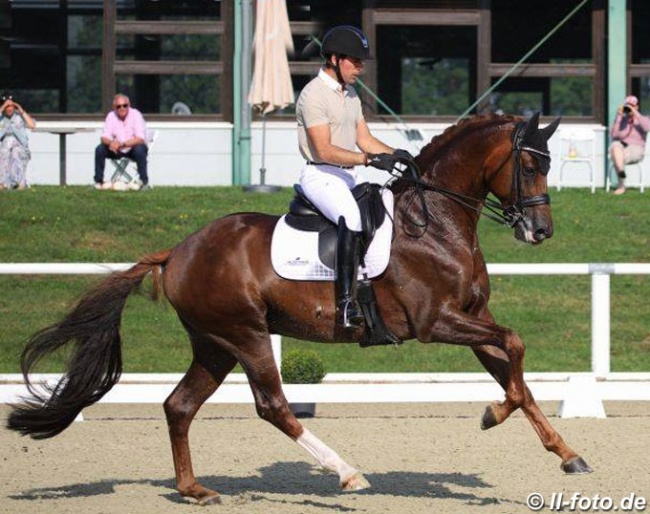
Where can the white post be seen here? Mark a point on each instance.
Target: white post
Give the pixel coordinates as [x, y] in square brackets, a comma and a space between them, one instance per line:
[600, 317]
[582, 398]
[276, 345]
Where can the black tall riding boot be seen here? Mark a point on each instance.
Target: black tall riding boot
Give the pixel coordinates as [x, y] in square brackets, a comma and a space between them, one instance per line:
[348, 313]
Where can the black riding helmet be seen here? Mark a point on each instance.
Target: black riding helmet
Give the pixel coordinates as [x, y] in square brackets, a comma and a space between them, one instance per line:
[346, 40]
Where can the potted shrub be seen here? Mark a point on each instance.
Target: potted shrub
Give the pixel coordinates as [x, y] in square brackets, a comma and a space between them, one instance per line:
[302, 367]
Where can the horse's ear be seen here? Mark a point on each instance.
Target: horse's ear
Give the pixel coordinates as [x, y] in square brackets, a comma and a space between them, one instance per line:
[531, 126]
[548, 131]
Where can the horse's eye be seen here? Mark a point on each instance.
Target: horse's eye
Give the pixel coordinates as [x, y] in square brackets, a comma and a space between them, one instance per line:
[529, 171]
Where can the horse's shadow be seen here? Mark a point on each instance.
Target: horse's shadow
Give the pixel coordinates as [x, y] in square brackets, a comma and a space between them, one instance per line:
[297, 478]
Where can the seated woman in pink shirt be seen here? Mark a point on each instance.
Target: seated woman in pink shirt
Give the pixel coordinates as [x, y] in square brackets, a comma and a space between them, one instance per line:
[629, 133]
[124, 135]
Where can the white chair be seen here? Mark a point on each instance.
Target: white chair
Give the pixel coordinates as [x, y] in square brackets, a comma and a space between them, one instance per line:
[125, 168]
[181, 109]
[638, 166]
[578, 149]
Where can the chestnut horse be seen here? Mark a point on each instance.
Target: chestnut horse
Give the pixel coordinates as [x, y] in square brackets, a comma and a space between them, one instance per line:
[229, 299]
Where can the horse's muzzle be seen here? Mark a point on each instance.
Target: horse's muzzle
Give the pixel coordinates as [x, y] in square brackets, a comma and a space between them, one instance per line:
[533, 230]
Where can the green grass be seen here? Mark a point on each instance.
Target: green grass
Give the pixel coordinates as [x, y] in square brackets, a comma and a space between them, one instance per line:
[551, 313]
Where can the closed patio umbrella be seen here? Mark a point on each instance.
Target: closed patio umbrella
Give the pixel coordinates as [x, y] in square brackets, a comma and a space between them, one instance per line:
[271, 86]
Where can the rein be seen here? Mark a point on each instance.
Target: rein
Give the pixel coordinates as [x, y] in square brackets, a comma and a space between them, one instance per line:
[509, 215]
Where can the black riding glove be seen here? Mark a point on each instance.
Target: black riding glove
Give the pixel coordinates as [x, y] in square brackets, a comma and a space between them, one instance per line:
[382, 161]
[403, 155]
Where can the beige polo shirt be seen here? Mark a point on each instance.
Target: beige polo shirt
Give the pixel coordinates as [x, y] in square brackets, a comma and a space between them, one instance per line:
[324, 102]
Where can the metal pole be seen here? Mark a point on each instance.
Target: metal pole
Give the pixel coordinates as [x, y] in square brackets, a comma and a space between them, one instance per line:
[236, 94]
[62, 159]
[245, 133]
[616, 64]
[262, 187]
[241, 162]
[263, 169]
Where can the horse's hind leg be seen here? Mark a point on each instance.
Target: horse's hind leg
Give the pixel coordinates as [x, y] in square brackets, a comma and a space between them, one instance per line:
[209, 368]
[498, 366]
[272, 406]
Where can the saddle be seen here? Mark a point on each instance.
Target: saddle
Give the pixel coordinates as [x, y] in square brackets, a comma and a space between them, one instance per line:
[305, 216]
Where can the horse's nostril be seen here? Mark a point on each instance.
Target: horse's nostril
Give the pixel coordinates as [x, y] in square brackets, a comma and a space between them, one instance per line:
[541, 234]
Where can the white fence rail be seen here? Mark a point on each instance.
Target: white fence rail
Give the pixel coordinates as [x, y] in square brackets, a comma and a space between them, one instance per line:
[581, 394]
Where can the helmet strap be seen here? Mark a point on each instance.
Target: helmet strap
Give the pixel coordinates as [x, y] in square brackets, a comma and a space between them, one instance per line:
[337, 69]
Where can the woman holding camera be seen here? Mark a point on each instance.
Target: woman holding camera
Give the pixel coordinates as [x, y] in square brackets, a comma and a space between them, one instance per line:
[14, 144]
[628, 133]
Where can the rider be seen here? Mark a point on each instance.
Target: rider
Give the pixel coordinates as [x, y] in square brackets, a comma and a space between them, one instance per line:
[330, 128]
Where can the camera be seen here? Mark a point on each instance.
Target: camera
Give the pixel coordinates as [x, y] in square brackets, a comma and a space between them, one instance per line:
[626, 109]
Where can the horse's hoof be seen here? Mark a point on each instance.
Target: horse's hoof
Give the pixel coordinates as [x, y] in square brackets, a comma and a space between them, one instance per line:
[489, 419]
[210, 500]
[201, 496]
[576, 466]
[356, 482]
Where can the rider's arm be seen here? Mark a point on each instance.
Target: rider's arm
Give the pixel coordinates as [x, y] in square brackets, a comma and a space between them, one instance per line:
[615, 131]
[369, 143]
[321, 143]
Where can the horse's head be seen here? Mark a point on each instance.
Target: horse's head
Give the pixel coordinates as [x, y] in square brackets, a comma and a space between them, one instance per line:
[521, 184]
[502, 155]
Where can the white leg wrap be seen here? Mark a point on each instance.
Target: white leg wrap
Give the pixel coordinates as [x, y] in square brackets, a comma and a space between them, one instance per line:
[325, 456]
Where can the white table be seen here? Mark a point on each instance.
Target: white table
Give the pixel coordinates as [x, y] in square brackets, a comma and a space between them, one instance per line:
[63, 131]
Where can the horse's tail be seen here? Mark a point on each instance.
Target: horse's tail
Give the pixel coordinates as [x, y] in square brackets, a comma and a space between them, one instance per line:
[95, 364]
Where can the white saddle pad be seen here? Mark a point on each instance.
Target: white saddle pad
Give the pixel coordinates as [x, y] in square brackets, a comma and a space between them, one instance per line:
[294, 253]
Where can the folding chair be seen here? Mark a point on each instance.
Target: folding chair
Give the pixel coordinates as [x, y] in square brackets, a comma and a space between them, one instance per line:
[123, 164]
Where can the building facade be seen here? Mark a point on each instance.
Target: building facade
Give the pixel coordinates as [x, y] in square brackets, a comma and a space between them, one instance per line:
[435, 60]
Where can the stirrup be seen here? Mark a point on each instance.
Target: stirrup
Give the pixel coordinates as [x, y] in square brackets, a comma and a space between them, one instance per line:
[348, 314]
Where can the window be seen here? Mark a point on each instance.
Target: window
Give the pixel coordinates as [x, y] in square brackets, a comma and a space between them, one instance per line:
[426, 70]
[558, 78]
[170, 52]
[54, 59]
[640, 68]
[83, 63]
[435, 86]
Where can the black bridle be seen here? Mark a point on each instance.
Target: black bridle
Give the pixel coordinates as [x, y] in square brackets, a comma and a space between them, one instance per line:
[515, 212]
[508, 215]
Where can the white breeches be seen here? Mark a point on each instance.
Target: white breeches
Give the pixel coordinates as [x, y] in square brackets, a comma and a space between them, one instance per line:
[329, 189]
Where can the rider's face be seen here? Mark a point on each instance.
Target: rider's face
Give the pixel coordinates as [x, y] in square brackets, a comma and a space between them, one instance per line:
[350, 68]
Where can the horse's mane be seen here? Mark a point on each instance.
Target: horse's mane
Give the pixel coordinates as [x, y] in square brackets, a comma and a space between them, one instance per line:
[455, 132]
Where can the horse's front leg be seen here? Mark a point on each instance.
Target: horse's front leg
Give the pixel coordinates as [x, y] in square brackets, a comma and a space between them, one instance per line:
[461, 328]
[501, 351]
[496, 363]
[510, 377]
[272, 406]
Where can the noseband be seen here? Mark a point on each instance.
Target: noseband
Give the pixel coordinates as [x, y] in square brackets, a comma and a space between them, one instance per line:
[508, 215]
